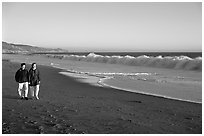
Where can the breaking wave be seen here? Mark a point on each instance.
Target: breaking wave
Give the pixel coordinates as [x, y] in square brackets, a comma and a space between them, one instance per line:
[172, 62]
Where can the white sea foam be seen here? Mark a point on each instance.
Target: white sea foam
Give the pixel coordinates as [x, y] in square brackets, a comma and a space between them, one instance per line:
[121, 74]
[172, 62]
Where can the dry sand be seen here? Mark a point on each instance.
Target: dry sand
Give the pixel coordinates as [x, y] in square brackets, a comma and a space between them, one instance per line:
[68, 106]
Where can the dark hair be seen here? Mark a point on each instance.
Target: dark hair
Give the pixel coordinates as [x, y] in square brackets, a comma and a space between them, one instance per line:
[33, 64]
[22, 64]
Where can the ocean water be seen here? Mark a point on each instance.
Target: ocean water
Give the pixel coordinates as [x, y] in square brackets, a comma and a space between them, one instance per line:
[134, 54]
[169, 75]
[185, 61]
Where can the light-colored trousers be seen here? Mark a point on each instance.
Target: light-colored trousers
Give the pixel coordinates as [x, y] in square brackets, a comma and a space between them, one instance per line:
[23, 89]
[34, 90]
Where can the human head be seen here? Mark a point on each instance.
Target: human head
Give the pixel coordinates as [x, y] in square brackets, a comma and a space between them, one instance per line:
[23, 65]
[33, 66]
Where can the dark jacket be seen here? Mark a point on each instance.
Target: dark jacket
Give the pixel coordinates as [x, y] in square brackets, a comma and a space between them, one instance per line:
[34, 77]
[22, 76]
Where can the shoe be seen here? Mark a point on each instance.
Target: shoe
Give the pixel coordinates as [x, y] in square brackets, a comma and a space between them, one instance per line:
[22, 98]
[37, 97]
[26, 98]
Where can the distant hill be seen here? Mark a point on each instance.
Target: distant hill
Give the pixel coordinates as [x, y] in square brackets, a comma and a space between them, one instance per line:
[26, 49]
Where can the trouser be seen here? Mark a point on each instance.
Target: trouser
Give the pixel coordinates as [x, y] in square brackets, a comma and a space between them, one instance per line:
[23, 89]
[34, 90]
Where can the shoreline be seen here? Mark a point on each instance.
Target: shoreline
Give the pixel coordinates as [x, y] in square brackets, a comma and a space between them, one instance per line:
[100, 81]
[150, 94]
[68, 106]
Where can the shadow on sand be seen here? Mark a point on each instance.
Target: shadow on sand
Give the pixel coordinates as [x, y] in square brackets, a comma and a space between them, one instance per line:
[10, 97]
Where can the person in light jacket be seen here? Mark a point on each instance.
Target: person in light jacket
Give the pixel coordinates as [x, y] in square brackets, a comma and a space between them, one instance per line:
[22, 78]
[34, 81]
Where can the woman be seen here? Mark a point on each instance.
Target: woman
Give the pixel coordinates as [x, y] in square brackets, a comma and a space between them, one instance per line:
[34, 81]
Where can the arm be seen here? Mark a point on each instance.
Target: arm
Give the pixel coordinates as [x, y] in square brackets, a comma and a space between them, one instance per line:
[28, 77]
[17, 76]
[39, 76]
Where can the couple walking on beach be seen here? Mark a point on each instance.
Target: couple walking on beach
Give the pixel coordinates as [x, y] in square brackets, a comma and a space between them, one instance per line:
[28, 80]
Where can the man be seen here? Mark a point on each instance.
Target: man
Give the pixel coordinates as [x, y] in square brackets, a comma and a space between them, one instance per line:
[34, 81]
[22, 78]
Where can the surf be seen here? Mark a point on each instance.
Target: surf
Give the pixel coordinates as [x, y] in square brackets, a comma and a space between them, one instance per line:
[172, 62]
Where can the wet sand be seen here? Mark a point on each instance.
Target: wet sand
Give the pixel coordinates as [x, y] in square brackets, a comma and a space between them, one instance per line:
[69, 106]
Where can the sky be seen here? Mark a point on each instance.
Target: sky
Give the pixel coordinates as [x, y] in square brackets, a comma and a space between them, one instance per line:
[104, 26]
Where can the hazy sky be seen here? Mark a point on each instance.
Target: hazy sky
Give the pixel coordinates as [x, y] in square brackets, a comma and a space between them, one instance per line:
[107, 26]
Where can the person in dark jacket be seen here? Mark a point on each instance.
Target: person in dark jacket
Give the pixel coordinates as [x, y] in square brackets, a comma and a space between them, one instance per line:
[22, 78]
[34, 81]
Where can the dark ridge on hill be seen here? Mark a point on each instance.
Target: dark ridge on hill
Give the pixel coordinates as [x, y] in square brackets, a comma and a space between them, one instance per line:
[26, 49]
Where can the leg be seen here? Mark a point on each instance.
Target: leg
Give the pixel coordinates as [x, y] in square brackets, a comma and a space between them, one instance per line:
[32, 91]
[20, 89]
[26, 89]
[37, 89]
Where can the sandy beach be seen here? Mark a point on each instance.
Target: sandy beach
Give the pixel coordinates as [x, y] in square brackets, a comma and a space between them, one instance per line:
[69, 106]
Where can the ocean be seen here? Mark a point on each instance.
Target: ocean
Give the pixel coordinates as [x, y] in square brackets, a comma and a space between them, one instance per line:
[134, 54]
[173, 75]
[174, 60]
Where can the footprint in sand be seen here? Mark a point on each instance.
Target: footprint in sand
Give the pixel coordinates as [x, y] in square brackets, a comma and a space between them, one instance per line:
[49, 123]
[58, 126]
[56, 110]
[41, 128]
[5, 128]
[73, 110]
[33, 107]
[32, 122]
[25, 117]
[50, 115]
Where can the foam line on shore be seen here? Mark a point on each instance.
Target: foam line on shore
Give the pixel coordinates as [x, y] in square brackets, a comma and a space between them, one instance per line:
[145, 93]
[93, 80]
[100, 82]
